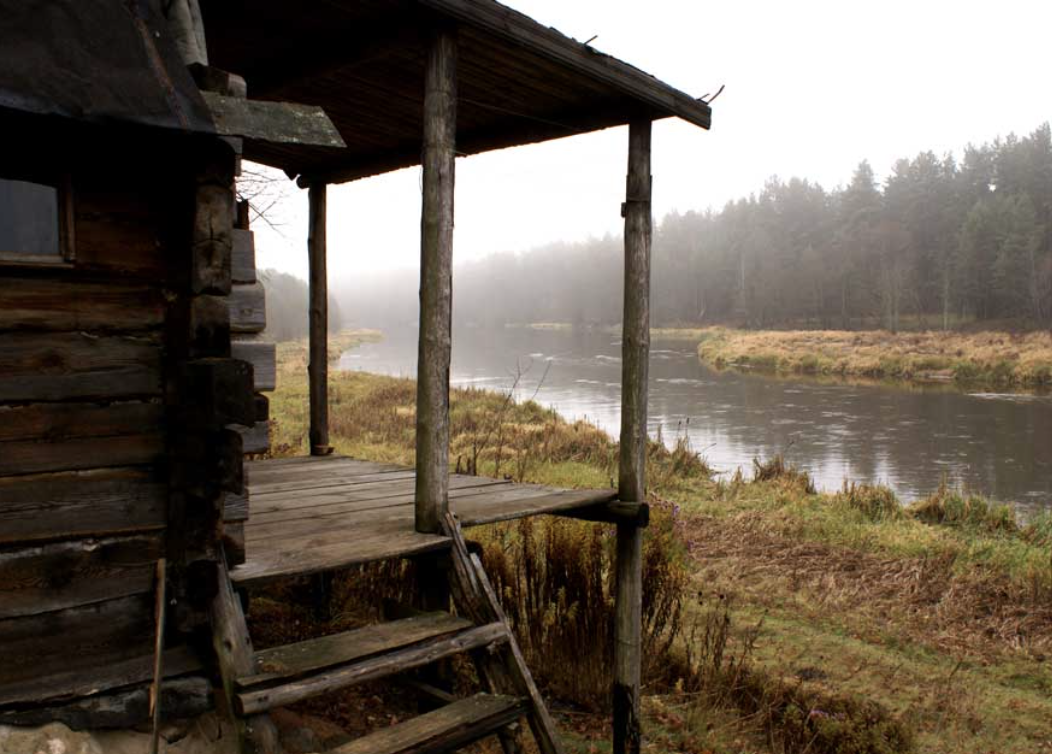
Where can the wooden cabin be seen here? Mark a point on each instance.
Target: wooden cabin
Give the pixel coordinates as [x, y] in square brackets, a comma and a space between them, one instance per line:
[134, 359]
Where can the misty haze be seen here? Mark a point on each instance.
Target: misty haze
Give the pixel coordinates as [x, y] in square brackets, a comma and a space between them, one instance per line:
[525, 377]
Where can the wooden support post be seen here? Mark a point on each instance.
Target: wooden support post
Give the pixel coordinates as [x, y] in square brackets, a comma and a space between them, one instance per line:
[635, 354]
[318, 368]
[436, 283]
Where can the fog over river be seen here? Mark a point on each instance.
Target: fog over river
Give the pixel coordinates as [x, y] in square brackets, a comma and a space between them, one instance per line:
[907, 438]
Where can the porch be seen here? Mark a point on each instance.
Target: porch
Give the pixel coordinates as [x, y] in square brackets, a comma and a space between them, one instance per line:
[325, 513]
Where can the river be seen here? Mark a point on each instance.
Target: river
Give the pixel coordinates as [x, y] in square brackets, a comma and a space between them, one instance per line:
[906, 437]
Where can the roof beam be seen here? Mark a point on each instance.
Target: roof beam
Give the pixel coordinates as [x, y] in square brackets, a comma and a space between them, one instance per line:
[337, 52]
[520, 29]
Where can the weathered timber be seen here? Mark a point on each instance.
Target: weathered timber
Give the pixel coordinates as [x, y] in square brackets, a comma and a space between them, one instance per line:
[243, 255]
[181, 698]
[614, 512]
[279, 122]
[379, 543]
[371, 669]
[43, 578]
[506, 673]
[235, 507]
[213, 223]
[520, 30]
[209, 323]
[234, 542]
[445, 729]
[105, 645]
[54, 422]
[248, 308]
[436, 282]
[218, 391]
[254, 438]
[121, 230]
[53, 366]
[53, 304]
[30, 457]
[233, 649]
[627, 734]
[313, 655]
[318, 366]
[80, 503]
[160, 605]
[263, 358]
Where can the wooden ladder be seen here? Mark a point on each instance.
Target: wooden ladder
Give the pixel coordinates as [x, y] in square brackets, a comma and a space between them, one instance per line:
[256, 682]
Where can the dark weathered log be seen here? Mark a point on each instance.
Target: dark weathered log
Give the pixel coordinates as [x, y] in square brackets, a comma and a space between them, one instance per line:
[54, 422]
[156, 686]
[234, 542]
[279, 122]
[254, 438]
[64, 305]
[212, 243]
[381, 666]
[31, 457]
[248, 308]
[616, 512]
[209, 335]
[263, 358]
[325, 652]
[51, 367]
[122, 229]
[318, 367]
[632, 474]
[42, 578]
[80, 503]
[103, 646]
[181, 698]
[243, 261]
[234, 654]
[508, 672]
[208, 464]
[448, 728]
[217, 391]
[436, 281]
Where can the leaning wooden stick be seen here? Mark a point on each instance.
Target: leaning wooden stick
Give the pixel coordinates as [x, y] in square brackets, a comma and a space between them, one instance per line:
[158, 654]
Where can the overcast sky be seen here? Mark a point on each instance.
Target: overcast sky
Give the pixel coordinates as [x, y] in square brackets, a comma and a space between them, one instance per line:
[812, 88]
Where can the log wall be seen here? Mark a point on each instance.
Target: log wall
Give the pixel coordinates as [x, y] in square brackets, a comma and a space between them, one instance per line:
[88, 356]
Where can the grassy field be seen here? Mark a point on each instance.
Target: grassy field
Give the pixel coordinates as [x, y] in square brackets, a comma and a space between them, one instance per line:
[989, 358]
[779, 619]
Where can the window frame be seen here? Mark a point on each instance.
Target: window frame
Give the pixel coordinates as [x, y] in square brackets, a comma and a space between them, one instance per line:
[66, 256]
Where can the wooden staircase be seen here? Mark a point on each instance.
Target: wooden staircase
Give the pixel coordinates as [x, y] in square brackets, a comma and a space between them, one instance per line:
[256, 682]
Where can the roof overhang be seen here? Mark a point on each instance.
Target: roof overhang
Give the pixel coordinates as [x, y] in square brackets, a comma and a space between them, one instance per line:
[362, 61]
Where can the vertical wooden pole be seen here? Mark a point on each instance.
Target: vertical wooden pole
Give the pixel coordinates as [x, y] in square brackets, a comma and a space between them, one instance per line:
[436, 283]
[635, 355]
[318, 368]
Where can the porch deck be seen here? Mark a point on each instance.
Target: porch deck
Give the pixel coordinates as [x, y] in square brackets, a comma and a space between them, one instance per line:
[325, 513]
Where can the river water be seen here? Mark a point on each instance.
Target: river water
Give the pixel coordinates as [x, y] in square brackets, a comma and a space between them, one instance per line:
[908, 438]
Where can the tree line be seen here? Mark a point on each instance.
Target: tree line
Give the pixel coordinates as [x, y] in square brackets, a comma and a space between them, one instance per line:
[940, 241]
[288, 302]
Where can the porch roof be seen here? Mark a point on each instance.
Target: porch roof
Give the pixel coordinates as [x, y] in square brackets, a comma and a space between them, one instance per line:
[362, 61]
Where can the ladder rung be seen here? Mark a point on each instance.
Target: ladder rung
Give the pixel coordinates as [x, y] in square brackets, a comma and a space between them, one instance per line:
[294, 683]
[455, 725]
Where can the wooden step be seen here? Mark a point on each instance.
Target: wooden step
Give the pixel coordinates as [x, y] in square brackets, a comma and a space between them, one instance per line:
[298, 671]
[447, 728]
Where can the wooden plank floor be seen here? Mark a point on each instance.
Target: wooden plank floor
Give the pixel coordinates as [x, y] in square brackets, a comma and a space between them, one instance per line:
[316, 514]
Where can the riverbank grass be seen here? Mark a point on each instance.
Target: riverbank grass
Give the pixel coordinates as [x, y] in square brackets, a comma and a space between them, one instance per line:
[843, 622]
[998, 359]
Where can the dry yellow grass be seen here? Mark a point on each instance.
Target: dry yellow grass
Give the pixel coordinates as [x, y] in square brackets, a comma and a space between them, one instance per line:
[996, 358]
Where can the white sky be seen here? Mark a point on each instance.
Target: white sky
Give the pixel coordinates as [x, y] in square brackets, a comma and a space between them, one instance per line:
[812, 88]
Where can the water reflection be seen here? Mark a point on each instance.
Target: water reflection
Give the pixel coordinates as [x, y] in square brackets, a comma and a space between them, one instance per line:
[991, 443]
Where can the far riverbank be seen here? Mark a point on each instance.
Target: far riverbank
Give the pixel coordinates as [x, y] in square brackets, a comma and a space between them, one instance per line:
[997, 359]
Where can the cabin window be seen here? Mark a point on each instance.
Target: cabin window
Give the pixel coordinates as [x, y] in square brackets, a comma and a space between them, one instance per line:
[34, 222]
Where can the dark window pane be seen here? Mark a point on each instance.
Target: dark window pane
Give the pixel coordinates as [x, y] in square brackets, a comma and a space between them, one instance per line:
[28, 220]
